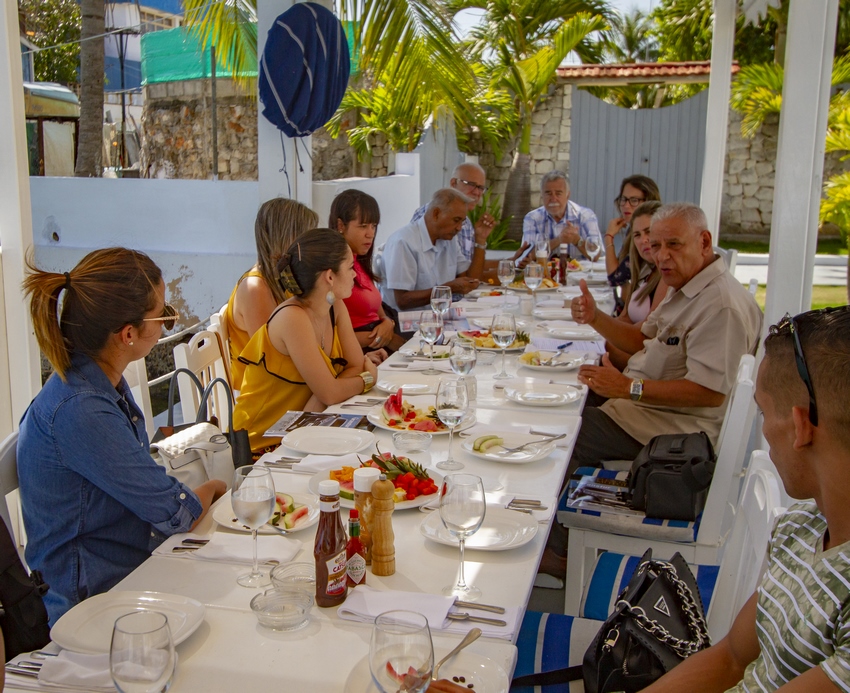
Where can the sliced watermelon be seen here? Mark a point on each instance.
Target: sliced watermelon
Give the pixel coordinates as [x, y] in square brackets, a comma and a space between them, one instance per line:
[426, 425]
[346, 489]
[285, 501]
[394, 406]
[292, 518]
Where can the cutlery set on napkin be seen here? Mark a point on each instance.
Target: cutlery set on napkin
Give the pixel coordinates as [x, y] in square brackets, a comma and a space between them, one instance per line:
[229, 548]
[69, 672]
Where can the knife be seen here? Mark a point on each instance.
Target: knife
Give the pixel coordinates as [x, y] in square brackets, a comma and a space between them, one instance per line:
[480, 607]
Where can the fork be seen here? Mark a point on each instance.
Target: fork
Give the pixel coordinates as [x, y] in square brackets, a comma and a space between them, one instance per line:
[533, 442]
[461, 616]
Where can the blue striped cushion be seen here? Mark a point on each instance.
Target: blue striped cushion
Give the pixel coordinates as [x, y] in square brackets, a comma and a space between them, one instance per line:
[612, 523]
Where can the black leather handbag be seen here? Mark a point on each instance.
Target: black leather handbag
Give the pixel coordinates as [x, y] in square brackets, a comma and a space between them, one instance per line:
[670, 477]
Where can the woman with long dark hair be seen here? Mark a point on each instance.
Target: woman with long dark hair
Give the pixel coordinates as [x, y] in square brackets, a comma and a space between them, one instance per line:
[634, 191]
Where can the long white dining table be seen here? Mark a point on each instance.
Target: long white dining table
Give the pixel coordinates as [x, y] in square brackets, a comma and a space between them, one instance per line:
[230, 651]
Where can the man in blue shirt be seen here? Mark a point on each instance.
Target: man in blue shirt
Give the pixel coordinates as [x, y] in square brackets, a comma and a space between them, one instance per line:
[559, 220]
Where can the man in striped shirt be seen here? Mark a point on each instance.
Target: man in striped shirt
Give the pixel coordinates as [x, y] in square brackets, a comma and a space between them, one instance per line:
[794, 633]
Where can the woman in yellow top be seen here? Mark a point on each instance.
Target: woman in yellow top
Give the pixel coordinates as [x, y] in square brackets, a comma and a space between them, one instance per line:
[279, 222]
[306, 356]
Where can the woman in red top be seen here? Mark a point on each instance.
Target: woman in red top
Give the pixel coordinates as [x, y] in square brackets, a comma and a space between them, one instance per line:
[356, 216]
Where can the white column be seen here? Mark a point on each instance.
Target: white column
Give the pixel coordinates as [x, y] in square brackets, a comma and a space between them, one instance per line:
[799, 156]
[20, 355]
[272, 145]
[717, 116]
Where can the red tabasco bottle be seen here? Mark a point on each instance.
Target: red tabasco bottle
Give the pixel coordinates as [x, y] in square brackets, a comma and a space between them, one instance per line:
[329, 550]
[355, 560]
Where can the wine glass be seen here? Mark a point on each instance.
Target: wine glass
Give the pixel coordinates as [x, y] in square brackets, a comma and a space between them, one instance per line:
[506, 274]
[463, 356]
[252, 499]
[592, 248]
[503, 332]
[441, 300]
[141, 655]
[533, 275]
[462, 509]
[452, 406]
[401, 655]
[430, 327]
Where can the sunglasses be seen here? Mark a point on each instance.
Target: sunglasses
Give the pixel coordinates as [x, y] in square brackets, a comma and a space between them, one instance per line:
[800, 358]
[168, 317]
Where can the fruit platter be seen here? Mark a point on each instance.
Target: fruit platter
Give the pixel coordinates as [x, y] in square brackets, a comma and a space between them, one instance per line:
[483, 340]
[292, 512]
[416, 414]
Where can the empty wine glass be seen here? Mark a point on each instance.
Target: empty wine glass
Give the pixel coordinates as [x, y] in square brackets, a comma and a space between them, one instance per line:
[452, 406]
[533, 276]
[252, 499]
[401, 655]
[592, 248]
[462, 510]
[141, 654]
[503, 332]
[441, 300]
[506, 274]
[430, 327]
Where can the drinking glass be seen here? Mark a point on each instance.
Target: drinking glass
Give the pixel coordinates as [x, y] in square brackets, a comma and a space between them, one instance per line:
[462, 509]
[463, 356]
[401, 655]
[430, 327]
[441, 300]
[506, 274]
[503, 331]
[252, 499]
[452, 406]
[592, 248]
[141, 655]
[533, 275]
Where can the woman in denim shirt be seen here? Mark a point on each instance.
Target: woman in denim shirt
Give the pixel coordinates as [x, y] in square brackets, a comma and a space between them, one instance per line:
[94, 502]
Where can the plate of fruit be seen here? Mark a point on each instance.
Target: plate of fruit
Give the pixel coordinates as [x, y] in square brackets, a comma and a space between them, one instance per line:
[483, 340]
[413, 414]
[291, 512]
[414, 485]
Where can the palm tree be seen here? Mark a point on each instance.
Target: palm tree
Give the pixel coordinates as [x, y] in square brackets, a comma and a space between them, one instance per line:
[90, 134]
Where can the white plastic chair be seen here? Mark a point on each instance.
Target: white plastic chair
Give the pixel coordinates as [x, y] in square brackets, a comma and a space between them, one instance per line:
[730, 257]
[590, 534]
[202, 355]
[10, 500]
[218, 326]
[136, 375]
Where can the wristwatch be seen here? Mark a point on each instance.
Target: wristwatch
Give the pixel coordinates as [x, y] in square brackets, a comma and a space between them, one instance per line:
[635, 391]
[481, 246]
[368, 381]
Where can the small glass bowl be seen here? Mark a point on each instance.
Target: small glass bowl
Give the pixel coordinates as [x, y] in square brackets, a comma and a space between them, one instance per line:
[485, 358]
[412, 441]
[282, 609]
[300, 575]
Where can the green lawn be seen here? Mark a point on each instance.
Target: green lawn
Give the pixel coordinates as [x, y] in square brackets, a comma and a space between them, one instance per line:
[822, 296]
[826, 246]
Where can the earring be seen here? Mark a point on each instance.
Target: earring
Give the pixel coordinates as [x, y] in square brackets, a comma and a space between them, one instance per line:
[330, 297]
[130, 343]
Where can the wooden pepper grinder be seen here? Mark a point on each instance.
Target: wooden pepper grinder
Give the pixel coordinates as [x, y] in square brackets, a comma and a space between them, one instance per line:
[383, 539]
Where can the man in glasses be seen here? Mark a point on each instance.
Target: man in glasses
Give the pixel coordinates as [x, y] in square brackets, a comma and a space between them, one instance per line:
[794, 633]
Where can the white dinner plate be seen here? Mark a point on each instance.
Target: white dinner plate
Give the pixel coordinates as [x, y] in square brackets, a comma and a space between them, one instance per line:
[532, 453]
[87, 627]
[539, 395]
[441, 351]
[223, 514]
[327, 440]
[566, 362]
[578, 332]
[553, 313]
[484, 323]
[501, 530]
[313, 485]
[489, 291]
[375, 417]
[392, 386]
[485, 675]
[541, 290]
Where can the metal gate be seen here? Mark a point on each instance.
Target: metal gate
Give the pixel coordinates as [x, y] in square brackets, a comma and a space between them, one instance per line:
[609, 143]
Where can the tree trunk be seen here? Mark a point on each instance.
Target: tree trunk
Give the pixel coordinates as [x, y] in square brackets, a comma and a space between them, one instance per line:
[518, 194]
[90, 143]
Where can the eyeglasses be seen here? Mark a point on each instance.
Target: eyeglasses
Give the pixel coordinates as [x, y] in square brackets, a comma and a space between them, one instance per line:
[633, 201]
[800, 358]
[168, 317]
[474, 186]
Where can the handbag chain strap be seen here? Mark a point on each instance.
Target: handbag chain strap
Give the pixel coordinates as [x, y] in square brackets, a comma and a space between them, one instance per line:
[696, 621]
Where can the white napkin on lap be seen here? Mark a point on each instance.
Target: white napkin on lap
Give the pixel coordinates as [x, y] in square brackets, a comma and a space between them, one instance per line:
[87, 671]
[364, 603]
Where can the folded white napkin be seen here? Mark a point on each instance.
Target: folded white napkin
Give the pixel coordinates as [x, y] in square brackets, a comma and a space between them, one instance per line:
[364, 603]
[323, 463]
[229, 547]
[86, 671]
[498, 301]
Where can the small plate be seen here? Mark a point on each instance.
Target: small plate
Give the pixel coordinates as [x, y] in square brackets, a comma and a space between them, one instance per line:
[327, 440]
[491, 291]
[440, 352]
[564, 363]
[578, 332]
[532, 453]
[313, 485]
[87, 627]
[375, 417]
[543, 395]
[223, 514]
[502, 530]
[484, 323]
[392, 387]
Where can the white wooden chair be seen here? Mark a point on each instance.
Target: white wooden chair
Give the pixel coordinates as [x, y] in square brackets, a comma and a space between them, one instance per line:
[136, 375]
[218, 326]
[698, 543]
[202, 355]
[10, 500]
[730, 257]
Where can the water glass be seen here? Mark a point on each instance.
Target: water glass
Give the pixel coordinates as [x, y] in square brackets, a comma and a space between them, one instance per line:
[252, 498]
[141, 655]
[506, 273]
[441, 300]
[462, 510]
[503, 332]
[533, 276]
[463, 356]
[592, 248]
[430, 328]
[452, 406]
[401, 655]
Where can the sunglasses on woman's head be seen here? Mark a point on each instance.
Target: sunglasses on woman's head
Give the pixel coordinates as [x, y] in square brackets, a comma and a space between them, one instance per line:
[168, 317]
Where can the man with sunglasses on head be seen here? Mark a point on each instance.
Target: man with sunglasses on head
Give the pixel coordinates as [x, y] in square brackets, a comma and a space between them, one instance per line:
[793, 634]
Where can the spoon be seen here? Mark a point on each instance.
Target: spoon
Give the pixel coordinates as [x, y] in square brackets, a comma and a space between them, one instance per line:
[470, 638]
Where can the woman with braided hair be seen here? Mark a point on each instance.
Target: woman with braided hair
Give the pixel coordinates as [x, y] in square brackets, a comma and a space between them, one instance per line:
[306, 356]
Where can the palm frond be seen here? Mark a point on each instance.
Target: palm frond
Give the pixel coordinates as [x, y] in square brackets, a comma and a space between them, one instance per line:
[230, 26]
[835, 207]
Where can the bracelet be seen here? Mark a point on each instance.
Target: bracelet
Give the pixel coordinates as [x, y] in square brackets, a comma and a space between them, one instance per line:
[607, 239]
[368, 381]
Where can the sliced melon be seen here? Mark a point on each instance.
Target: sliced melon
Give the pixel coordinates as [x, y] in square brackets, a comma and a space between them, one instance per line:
[346, 489]
[482, 440]
[492, 443]
[285, 501]
[294, 516]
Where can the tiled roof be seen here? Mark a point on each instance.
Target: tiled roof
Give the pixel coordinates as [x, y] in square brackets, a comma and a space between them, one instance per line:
[696, 71]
